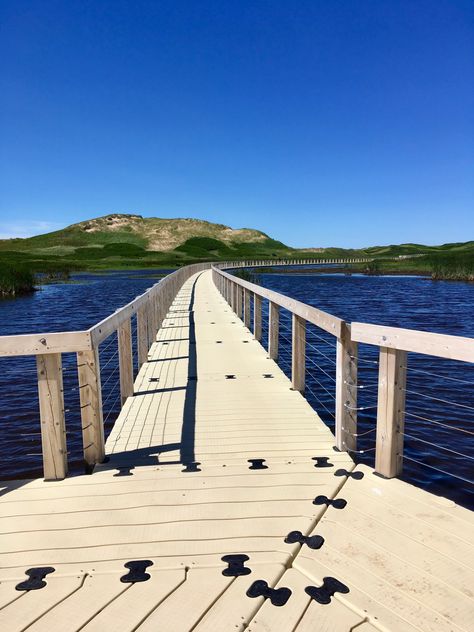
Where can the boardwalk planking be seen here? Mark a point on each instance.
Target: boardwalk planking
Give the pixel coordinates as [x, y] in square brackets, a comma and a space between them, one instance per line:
[403, 553]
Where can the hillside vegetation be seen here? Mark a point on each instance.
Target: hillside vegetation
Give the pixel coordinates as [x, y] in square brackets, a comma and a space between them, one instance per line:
[133, 241]
[128, 240]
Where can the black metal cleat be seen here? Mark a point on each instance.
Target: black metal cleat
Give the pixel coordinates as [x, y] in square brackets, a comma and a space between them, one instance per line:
[124, 470]
[277, 596]
[322, 461]
[267, 376]
[312, 541]
[36, 578]
[337, 503]
[236, 566]
[257, 464]
[136, 571]
[192, 466]
[229, 376]
[355, 475]
[324, 593]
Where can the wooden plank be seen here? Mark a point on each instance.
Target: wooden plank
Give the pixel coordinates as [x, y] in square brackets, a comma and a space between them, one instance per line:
[400, 579]
[31, 605]
[390, 412]
[43, 344]
[138, 602]
[234, 609]
[298, 353]
[142, 336]
[427, 343]
[273, 330]
[51, 404]
[333, 617]
[95, 593]
[346, 391]
[186, 606]
[125, 360]
[90, 394]
[367, 595]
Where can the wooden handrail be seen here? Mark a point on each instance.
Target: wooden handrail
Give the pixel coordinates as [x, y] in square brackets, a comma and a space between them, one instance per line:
[394, 343]
[42, 344]
[425, 342]
[151, 308]
[323, 320]
[232, 288]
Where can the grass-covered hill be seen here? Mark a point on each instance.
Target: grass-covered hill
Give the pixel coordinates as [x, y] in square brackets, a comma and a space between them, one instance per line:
[134, 241]
[127, 240]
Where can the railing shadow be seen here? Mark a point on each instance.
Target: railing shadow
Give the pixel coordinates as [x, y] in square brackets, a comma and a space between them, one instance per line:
[150, 455]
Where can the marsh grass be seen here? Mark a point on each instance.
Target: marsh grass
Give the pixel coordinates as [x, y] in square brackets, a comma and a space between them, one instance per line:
[15, 280]
[459, 267]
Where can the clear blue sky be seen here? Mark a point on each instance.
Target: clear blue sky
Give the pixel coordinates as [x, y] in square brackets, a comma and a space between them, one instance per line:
[322, 123]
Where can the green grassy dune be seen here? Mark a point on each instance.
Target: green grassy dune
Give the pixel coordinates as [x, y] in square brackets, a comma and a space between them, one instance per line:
[131, 241]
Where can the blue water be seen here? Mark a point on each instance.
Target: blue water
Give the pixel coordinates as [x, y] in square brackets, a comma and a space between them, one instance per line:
[439, 425]
[440, 434]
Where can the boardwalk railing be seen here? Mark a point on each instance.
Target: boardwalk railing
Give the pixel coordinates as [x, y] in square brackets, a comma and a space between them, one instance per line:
[149, 310]
[308, 324]
[394, 343]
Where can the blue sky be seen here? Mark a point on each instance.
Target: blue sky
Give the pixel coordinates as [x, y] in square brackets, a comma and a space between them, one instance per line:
[323, 123]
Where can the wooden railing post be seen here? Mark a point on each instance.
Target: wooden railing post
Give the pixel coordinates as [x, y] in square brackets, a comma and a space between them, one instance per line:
[90, 394]
[239, 301]
[51, 404]
[142, 336]
[125, 360]
[233, 297]
[390, 412]
[273, 330]
[150, 323]
[298, 353]
[247, 308]
[257, 317]
[346, 391]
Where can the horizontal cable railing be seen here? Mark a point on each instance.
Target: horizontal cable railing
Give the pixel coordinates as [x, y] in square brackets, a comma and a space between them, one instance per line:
[91, 371]
[375, 403]
[377, 406]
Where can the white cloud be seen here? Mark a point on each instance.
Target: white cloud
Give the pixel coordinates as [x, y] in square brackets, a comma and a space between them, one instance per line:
[26, 228]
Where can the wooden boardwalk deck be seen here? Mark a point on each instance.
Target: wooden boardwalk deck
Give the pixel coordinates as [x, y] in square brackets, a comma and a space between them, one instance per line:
[183, 488]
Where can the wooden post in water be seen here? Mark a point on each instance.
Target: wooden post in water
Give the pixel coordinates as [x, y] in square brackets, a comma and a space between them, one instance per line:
[346, 391]
[298, 352]
[142, 336]
[247, 308]
[257, 317]
[390, 412]
[90, 394]
[273, 330]
[51, 404]
[125, 360]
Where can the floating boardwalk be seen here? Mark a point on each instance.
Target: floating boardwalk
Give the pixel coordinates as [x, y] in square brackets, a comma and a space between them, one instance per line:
[224, 506]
